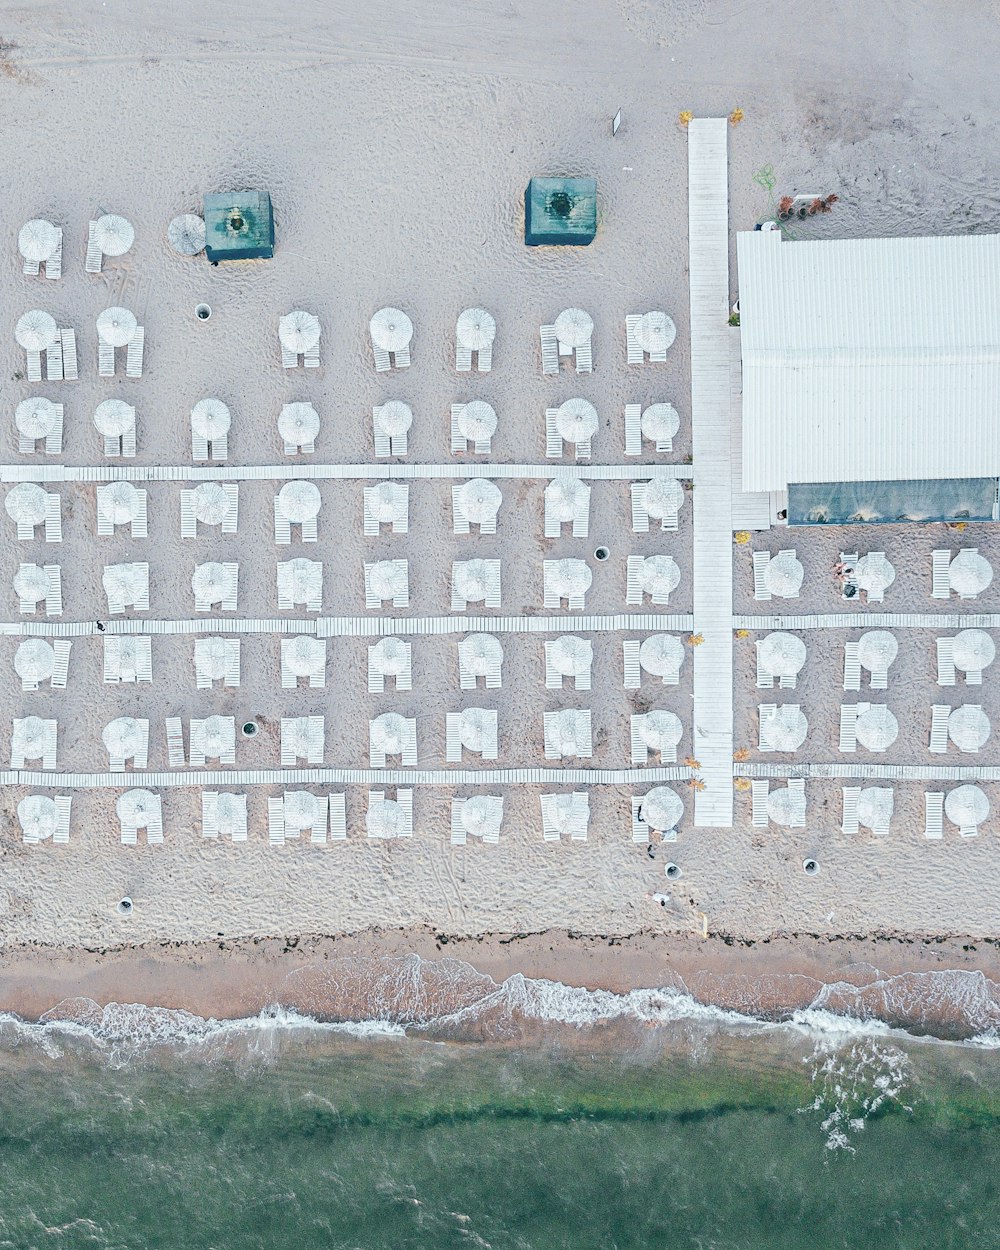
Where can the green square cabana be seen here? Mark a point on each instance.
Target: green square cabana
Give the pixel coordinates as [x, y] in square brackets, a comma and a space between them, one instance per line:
[239, 226]
[560, 211]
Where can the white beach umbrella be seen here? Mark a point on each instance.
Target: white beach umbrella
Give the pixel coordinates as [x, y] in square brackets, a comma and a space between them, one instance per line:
[218, 735]
[210, 419]
[211, 581]
[136, 808]
[386, 500]
[564, 495]
[390, 656]
[477, 421]
[873, 572]
[661, 808]
[784, 575]
[122, 737]
[124, 582]
[29, 737]
[877, 728]
[388, 733]
[969, 727]
[386, 579]
[298, 734]
[302, 810]
[298, 331]
[781, 654]
[475, 329]
[477, 815]
[655, 331]
[661, 654]
[877, 649]
[574, 327]
[119, 502]
[128, 651]
[36, 330]
[479, 499]
[659, 421]
[114, 234]
[38, 817]
[302, 578]
[664, 497]
[571, 656]
[114, 417]
[660, 730]
[576, 420]
[480, 652]
[298, 423]
[385, 819]
[973, 650]
[660, 575]
[785, 728]
[304, 654]
[31, 582]
[966, 805]
[37, 239]
[36, 417]
[562, 730]
[211, 657]
[231, 813]
[475, 724]
[299, 500]
[26, 502]
[875, 805]
[391, 329]
[969, 573]
[395, 417]
[783, 807]
[562, 812]
[211, 503]
[570, 577]
[186, 234]
[34, 660]
[471, 579]
[116, 326]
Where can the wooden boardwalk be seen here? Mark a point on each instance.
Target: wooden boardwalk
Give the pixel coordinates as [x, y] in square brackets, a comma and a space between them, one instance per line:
[873, 620]
[862, 771]
[708, 233]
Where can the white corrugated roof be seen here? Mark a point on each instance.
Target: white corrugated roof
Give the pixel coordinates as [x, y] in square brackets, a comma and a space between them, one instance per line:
[869, 359]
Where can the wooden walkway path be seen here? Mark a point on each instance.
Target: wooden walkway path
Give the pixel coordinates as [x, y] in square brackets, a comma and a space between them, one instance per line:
[873, 620]
[860, 770]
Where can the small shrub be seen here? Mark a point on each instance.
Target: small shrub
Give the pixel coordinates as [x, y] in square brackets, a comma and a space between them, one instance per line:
[741, 537]
[685, 118]
[695, 640]
[741, 754]
[735, 117]
[742, 783]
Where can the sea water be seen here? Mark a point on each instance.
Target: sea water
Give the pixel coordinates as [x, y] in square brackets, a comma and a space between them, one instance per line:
[553, 1118]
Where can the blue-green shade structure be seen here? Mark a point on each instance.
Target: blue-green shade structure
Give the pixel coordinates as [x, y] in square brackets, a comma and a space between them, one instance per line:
[239, 226]
[560, 211]
[868, 503]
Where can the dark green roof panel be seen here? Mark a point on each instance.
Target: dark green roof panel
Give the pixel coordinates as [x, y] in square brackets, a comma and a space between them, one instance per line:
[239, 226]
[560, 211]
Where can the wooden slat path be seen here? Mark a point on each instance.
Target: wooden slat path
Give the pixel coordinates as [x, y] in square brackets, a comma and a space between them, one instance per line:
[874, 620]
[875, 772]
[708, 234]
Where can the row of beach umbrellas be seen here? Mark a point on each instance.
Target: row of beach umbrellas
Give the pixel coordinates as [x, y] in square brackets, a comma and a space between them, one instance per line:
[38, 239]
[36, 329]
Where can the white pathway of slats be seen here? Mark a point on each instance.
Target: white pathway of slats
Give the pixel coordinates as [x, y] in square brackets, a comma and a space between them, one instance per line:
[884, 772]
[874, 620]
[708, 233]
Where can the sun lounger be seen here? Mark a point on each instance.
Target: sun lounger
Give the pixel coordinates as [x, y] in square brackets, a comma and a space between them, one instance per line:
[175, 742]
[34, 366]
[133, 353]
[550, 350]
[849, 726]
[64, 803]
[585, 358]
[53, 518]
[105, 360]
[53, 266]
[945, 661]
[852, 667]
[95, 256]
[940, 582]
[60, 669]
[382, 361]
[633, 673]
[70, 368]
[933, 814]
[940, 714]
[849, 822]
[54, 360]
[310, 357]
[485, 358]
[797, 795]
[633, 352]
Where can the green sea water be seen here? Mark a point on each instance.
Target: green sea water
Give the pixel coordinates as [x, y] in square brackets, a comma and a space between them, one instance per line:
[681, 1138]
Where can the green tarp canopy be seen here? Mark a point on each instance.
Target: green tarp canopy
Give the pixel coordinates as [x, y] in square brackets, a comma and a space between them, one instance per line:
[560, 210]
[239, 226]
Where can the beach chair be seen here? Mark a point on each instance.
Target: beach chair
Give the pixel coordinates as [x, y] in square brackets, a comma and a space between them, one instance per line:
[550, 350]
[797, 795]
[463, 358]
[852, 667]
[940, 582]
[105, 360]
[640, 830]
[933, 814]
[70, 367]
[53, 596]
[199, 447]
[310, 357]
[282, 526]
[60, 669]
[585, 358]
[633, 352]
[53, 266]
[276, 821]
[764, 712]
[761, 559]
[31, 267]
[882, 827]
[940, 714]
[64, 803]
[338, 817]
[289, 359]
[383, 363]
[175, 742]
[876, 596]
[880, 679]
[484, 358]
[95, 256]
[633, 673]
[402, 357]
[765, 680]
[849, 822]
[54, 360]
[758, 804]
[849, 726]
[53, 518]
[945, 661]
[34, 367]
[553, 439]
[633, 433]
[189, 523]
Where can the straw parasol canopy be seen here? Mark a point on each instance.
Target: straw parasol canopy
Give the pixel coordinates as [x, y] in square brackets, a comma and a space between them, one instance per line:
[36, 417]
[26, 502]
[874, 573]
[36, 330]
[875, 806]
[661, 654]
[877, 728]
[471, 579]
[785, 728]
[562, 728]
[298, 734]
[479, 499]
[474, 725]
[304, 654]
[31, 582]
[186, 234]
[969, 727]
[479, 651]
[34, 660]
[661, 808]
[298, 423]
[562, 810]
[655, 331]
[128, 653]
[230, 813]
[478, 814]
[388, 733]
[302, 577]
[664, 497]
[781, 654]
[391, 329]
[564, 495]
[783, 807]
[571, 656]
[877, 649]
[386, 500]
[660, 730]
[211, 657]
[210, 418]
[302, 810]
[966, 805]
[477, 421]
[973, 650]
[659, 421]
[125, 582]
[390, 656]
[37, 239]
[659, 575]
[38, 817]
[475, 329]
[123, 737]
[136, 808]
[569, 577]
[218, 735]
[574, 327]
[576, 420]
[385, 819]
[119, 502]
[299, 500]
[210, 581]
[114, 417]
[114, 234]
[784, 575]
[298, 331]
[394, 417]
[387, 580]
[211, 503]
[116, 326]
[30, 737]
[969, 573]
